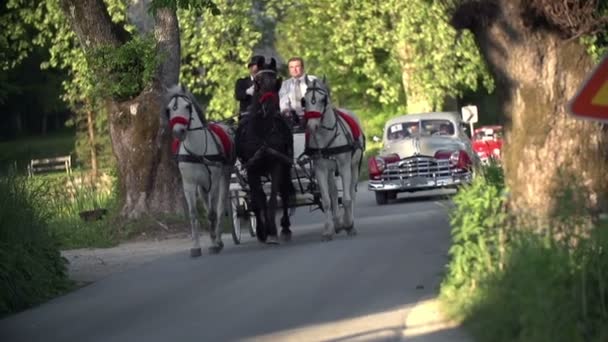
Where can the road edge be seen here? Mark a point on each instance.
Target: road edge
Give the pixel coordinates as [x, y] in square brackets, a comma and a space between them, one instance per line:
[426, 322]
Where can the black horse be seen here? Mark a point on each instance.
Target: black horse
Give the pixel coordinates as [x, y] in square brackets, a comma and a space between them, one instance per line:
[264, 145]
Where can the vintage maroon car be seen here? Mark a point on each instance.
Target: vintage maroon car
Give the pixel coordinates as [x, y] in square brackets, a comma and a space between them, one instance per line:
[487, 143]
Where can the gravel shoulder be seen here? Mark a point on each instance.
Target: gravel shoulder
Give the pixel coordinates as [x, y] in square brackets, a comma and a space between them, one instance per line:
[87, 265]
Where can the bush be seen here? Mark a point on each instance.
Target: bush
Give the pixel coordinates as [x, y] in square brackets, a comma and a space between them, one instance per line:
[31, 267]
[477, 222]
[547, 292]
[518, 285]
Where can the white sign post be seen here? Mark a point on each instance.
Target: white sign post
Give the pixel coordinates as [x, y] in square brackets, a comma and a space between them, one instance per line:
[469, 114]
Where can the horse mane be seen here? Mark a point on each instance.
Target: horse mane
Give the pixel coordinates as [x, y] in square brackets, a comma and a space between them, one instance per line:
[181, 90]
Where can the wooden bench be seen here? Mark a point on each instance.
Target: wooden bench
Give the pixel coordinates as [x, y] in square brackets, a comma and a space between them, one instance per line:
[50, 164]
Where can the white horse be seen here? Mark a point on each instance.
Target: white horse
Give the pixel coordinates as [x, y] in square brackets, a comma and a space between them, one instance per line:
[205, 159]
[335, 142]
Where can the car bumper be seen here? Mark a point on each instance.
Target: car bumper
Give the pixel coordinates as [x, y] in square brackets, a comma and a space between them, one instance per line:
[422, 183]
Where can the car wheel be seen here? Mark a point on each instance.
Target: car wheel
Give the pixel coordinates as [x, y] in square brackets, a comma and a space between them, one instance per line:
[381, 197]
[391, 195]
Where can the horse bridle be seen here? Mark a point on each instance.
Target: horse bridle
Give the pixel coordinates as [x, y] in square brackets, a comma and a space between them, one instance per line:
[327, 151]
[313, 100]
[189, 106]
[202, 158]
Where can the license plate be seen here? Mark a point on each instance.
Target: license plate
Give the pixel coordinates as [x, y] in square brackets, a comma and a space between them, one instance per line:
[416, 181]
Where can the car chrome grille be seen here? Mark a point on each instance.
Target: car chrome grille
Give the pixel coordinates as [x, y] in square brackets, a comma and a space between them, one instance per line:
[417, 167]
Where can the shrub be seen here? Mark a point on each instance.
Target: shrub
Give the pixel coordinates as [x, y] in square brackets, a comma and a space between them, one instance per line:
[31, 267]
[522, 284]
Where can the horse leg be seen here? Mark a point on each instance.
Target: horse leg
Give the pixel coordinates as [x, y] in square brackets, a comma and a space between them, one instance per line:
[190, 194]
[216, 206]
[285, 221]
[258, 202]
[286, 192]
[276, 176]
[349, 182]
[322, 174]
[335, 207]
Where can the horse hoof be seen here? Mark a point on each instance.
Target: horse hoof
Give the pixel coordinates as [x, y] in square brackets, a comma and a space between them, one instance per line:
[286, 236]
[272, 240]
[351, 232]
[215, 249]
[326, 237]
[195, 252]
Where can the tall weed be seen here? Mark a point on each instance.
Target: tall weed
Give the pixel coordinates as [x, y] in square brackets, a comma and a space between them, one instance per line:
[31, 267]
[477, 231]
[65, 198]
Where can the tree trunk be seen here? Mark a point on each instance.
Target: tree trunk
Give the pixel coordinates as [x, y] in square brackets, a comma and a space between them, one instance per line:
[416, 101]
[91, 129]
[547, 151]
[149, 178]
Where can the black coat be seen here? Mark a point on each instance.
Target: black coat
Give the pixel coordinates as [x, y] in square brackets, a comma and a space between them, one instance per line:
[242, 84]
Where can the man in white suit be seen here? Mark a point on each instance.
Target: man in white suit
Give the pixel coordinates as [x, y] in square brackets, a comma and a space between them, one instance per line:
[293, 89]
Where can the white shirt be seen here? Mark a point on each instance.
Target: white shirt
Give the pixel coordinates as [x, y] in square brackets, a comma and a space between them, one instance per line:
[287, 94]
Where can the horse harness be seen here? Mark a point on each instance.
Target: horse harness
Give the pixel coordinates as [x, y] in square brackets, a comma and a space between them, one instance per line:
[328, 152]
[207, 160]
[218, 159]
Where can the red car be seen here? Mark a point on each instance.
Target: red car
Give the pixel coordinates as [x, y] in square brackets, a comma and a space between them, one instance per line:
[487, 142]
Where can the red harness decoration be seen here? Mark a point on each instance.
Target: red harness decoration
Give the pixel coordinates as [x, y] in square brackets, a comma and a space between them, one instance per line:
[224, 138]
[175, 146]
[269, 95]
[178, 120]
[312, 115]
[354, 126]
[350, 121]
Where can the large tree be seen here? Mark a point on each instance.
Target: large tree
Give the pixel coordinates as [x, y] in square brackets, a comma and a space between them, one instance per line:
[148, 177]
[535, 54]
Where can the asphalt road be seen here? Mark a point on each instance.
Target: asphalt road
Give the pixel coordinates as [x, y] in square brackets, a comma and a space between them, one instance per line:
[352, 288]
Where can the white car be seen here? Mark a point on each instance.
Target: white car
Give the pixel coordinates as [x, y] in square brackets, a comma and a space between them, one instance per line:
[421, 152]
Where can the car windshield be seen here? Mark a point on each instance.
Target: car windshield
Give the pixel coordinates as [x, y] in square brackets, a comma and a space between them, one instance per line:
[488, 134]
[423, 127]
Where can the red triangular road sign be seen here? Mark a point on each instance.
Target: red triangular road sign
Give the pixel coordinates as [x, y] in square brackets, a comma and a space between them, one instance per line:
[591, 101]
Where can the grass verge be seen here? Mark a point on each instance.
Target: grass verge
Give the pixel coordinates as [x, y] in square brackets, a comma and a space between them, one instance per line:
[515, 285]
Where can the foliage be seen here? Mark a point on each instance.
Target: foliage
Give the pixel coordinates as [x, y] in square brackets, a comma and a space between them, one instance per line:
[477, 222]
[31, 267]
[193, 5]
[374, 45]
[217, 48]
[515, 285]
[123, 72]
[67, 196]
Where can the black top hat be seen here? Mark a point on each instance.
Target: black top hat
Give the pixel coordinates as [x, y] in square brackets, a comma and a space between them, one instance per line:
[256, 60]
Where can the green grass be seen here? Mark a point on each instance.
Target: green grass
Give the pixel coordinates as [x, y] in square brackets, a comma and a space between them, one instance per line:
[31, 267]
[65, 203]
[515, 285]
[20, 152]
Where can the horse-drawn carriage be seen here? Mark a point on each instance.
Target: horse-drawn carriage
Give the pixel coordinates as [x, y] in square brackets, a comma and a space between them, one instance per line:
[274, 162]
[240, 212]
